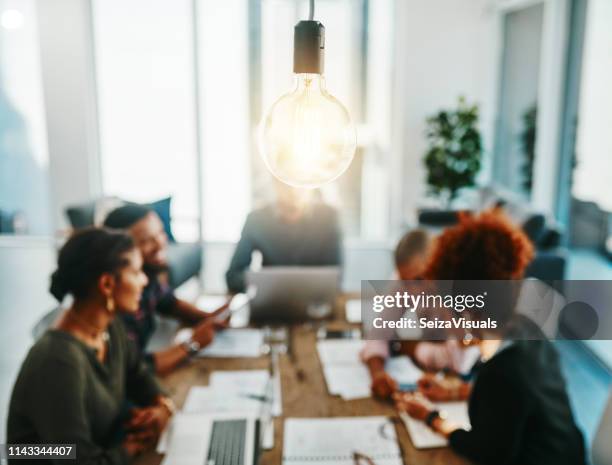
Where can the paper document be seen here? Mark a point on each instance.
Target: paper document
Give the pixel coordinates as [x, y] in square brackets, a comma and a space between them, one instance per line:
[335, 440]
[346, 375]
[352, 310]
[350, 381]
[235, 343]
[210, 303]
[423, 437]
[334, 351]
[248, 382]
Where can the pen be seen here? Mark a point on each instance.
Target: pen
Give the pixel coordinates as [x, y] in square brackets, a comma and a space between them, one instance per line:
[260, 398]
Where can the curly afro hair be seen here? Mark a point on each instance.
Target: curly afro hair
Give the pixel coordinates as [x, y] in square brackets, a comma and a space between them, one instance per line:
[482, 247]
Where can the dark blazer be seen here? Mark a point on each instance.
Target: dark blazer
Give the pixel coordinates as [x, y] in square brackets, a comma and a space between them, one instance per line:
[314, 240]
[519, 408]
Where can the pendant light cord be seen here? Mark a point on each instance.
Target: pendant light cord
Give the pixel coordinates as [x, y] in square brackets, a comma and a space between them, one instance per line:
[312, 8]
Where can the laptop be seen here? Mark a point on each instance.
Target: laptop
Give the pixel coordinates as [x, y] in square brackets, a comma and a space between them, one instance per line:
[219, 439]
[222, 438]
[292, 293]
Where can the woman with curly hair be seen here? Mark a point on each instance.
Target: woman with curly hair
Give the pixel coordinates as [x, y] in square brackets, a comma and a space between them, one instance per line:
[518, 406]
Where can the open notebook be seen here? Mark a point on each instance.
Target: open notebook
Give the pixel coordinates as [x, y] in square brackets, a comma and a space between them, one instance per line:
[335, 440]
[424, 437]
[346, 376]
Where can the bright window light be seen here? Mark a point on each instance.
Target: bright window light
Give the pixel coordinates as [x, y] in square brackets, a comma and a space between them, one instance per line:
[12, 19]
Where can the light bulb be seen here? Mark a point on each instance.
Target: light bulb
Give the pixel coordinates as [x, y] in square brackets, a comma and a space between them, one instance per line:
[307, 138]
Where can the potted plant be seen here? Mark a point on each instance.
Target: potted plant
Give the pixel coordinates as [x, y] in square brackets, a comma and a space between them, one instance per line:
[455, 151]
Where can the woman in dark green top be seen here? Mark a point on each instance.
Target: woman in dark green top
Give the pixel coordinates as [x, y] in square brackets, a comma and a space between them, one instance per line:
[518, 406]
[77, 381]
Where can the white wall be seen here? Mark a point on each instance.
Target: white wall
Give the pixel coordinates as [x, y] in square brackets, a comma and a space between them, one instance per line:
[444, 49]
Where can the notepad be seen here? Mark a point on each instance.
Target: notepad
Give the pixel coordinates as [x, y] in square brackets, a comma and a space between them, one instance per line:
[335, 440]
[423, 437]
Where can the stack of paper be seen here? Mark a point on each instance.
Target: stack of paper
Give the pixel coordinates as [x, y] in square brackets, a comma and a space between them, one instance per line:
[349, 378]
[337, 440]
[424, 437]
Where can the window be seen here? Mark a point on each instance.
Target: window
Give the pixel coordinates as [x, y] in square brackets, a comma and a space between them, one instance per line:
[145, 79]
[163, 90]
[224, 116]
[594, 142]
[357, 71]
[518, 99]
[24, 164]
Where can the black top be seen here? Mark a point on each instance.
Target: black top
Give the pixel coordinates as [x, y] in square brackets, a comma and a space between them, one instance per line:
[520, 411]
[65, 395]
[314, 240]
[157, 297]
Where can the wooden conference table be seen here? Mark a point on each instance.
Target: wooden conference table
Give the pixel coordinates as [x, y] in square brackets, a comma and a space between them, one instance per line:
[304, 394]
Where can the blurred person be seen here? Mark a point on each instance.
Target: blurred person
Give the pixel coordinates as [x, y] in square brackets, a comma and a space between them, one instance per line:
[518, 406]
[147, 230]
[78, 379]
[298, 229]
[410, 257]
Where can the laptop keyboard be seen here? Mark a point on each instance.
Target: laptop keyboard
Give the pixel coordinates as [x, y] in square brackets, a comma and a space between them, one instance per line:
[227, 442]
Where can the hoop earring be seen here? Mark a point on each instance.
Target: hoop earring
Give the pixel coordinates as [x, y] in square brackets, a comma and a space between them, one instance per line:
[110, 305]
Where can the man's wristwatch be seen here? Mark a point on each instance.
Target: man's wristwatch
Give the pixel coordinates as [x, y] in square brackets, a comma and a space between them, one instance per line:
[431, 416]
[191, 347]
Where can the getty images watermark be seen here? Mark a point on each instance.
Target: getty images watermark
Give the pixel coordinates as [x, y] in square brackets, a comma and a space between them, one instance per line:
[513, 309]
